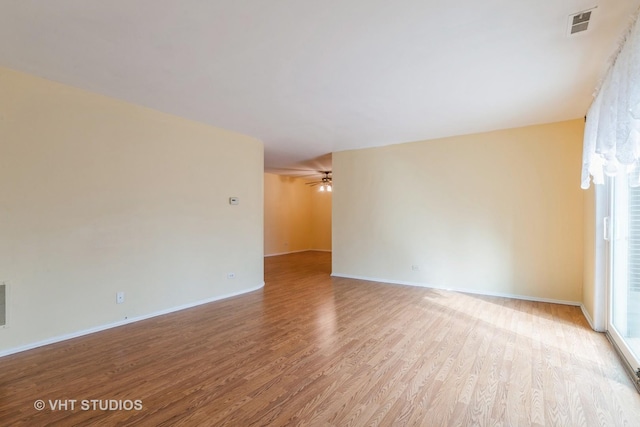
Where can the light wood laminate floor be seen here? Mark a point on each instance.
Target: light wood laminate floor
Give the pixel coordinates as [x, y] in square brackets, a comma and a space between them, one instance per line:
[309, 349]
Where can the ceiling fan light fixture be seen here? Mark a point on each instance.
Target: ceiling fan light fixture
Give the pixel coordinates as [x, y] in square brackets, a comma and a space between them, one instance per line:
[324, 183]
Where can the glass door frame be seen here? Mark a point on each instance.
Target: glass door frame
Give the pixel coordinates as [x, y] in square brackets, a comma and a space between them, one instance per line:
[613, 232]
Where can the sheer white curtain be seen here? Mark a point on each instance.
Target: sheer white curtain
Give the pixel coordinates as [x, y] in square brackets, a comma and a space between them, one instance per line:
[612, 131]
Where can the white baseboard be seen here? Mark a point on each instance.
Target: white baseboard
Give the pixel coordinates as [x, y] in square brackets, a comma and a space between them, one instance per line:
[285, 253]
[463, 290]
[587, 316]
[295, 252]
[122, 322]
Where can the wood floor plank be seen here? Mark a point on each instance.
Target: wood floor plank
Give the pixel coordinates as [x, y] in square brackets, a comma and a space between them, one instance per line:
[309, 349]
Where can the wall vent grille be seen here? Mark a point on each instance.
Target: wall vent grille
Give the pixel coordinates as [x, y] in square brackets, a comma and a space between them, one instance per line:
[3, 304]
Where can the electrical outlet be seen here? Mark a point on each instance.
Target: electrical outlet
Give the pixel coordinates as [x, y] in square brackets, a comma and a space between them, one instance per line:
[119, 297]
[231, 275]
[415, 267]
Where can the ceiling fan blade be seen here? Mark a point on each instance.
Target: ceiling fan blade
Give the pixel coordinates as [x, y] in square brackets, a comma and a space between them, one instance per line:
[298, 172]
[290, 169]
[304, 176]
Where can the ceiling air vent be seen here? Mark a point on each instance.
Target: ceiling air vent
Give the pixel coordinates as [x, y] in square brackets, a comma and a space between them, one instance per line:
[579, 22]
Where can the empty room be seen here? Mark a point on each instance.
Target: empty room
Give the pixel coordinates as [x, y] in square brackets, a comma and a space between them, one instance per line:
[320, 213]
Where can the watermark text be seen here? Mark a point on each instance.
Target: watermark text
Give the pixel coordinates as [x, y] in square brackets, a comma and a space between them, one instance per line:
[88, 405]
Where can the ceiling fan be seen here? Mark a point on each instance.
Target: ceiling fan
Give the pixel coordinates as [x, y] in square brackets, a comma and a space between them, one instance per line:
[325, 183]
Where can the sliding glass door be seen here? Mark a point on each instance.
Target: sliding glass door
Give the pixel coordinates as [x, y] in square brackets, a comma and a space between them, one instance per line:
[623, 229]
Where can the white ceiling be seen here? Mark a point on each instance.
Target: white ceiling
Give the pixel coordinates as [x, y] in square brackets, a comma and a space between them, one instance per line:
[309, 77]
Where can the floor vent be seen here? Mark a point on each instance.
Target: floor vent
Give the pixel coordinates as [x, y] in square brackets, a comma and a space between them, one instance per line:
[579, 22]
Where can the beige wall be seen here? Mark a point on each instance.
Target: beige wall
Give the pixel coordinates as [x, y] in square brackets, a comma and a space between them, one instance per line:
[287, 209]
[496, 213]
[99, 196]
[296, 216]
[320, 220]
[595, 256]
[588, 288]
